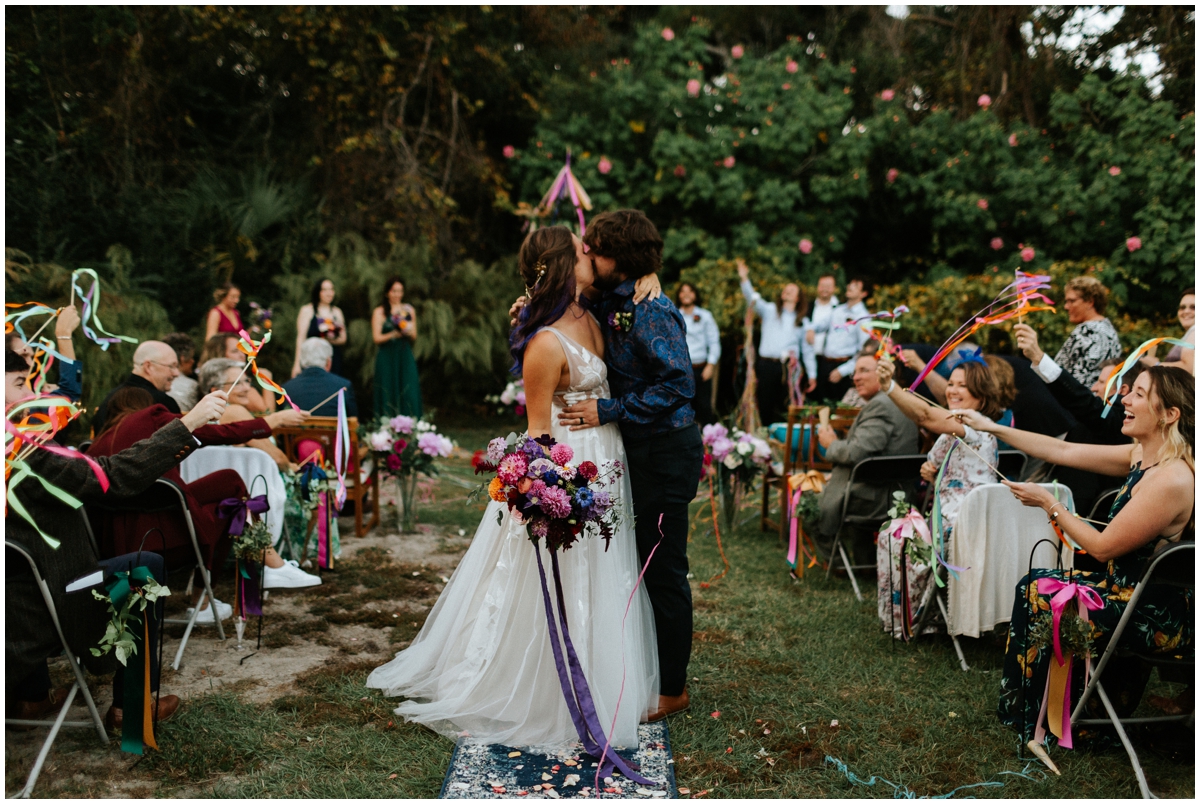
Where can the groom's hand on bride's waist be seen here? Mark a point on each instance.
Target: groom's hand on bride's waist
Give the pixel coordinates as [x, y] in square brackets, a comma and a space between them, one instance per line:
[580, 416]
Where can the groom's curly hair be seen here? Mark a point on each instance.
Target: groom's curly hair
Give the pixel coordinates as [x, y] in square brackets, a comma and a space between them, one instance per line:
[628, 237]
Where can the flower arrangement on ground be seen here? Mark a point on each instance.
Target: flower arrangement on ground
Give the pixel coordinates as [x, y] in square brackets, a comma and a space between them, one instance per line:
[512, 399]
[735, 458]
[405, 447]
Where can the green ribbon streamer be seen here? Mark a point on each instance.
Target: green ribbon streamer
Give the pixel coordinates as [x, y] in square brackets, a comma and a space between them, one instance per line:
[21, 471]
[120, 587]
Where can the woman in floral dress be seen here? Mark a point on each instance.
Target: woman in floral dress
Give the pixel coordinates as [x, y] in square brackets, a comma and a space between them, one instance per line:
[1153, 509]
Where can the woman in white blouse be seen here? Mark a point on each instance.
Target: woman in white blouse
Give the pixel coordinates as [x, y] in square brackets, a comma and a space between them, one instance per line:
[704, 347]
[782, 338]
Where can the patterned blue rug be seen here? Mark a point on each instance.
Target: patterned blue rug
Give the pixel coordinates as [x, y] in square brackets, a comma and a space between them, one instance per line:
[487, 770]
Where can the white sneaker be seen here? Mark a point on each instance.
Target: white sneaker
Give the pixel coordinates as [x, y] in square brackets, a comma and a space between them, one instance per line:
[206, 614]
[289, 576]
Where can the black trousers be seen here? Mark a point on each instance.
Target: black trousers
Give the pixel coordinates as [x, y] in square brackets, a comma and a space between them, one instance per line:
[771, 393]
[827, 390]
[702, 401]
[664, 471]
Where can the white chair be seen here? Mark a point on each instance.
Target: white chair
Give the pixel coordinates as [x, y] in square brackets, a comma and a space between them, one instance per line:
[249, 463]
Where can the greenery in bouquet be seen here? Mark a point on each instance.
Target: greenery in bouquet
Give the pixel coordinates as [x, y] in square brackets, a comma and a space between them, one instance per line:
[907, 525]
[737, 453]
[119, 636]
[260, 318]
[556, 499]
[406, 445]
[511, 400]
[1075, 634]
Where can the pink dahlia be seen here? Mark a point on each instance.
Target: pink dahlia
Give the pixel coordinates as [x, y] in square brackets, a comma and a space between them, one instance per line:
[561, 453]
[496, 448]
[512, 468]
[1027, 254]
[1133, 243]
[556, 502]
[887, 94]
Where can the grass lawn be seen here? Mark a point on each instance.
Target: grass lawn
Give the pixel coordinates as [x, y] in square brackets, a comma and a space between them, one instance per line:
[777, 660]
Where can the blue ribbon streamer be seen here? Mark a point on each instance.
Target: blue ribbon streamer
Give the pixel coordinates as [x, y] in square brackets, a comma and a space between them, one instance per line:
[902, 791]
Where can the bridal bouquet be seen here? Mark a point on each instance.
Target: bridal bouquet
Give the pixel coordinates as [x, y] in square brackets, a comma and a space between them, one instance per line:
[513, 396]
[405, 447]
[260, 318]
[554, 497]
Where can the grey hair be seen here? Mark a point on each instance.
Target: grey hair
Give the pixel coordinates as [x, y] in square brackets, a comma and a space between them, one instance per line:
[212, 374]
[315, 352]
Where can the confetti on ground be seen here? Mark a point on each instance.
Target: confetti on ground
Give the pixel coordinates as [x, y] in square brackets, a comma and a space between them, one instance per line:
[481, 770]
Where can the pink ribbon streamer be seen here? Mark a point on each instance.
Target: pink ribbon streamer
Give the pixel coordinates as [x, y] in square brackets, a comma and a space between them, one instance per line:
[794, 530]
[1086, 599]
[323, 529]
[341, 449]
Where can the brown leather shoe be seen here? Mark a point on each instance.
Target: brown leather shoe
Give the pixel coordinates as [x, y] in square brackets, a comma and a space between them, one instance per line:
[37, 710]
[669, 705]
[167, 706]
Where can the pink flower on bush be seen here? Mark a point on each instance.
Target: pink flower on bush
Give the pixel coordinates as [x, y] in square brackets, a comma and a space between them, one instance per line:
[402, 424]
[806, 246]
[1027, 254]
[888, 94]
[1133, 243]
[509, 152]
[982, 203]
[556, 502]
[985, 101]
[693, 87]
[792, 66]
[997, 244]
[680, 171]
[668, 34]
[1114, 171]
[1012, 140]
[604, 166]
[729, 162]
[892, 175]
[512, 468]
[737, 51]
[561, 453]
[787, 86]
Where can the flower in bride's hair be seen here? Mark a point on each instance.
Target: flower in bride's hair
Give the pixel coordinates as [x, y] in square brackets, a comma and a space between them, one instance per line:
[561, 453]
[512, 468]
[556, 502]
[496, 490]
[588, 470]
[495, 449]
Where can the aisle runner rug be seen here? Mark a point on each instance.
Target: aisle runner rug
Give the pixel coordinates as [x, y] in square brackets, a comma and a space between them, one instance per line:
[486, 770]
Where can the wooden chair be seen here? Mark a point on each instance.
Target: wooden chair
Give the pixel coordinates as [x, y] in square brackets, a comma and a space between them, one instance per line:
[323, 430]
[806, 457]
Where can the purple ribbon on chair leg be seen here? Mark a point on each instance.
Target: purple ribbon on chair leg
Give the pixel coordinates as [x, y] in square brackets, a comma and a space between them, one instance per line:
[574, 685]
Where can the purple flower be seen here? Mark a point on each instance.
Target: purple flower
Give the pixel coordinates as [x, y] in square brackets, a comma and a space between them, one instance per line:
[496, 449]
[536, 489]
[556, 502]
[540, 466]
[538, 528]
[601, 501]
[532, 449]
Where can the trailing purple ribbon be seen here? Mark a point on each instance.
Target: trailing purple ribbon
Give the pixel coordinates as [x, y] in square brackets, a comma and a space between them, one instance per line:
[574, 685]
[249, 573]
[238, 508]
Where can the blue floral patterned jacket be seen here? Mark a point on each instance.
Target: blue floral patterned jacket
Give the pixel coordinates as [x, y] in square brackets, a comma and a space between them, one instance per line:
[649, 370]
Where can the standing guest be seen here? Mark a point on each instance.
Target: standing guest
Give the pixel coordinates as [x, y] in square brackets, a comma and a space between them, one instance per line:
[155, 367]
[225, 345]
[315, 382]
[781, 340]
[224, 316]
[320, 319]
[184, 387]
[820, 322]
[1178, 356]
[704, 348]
[394, 329]
[1095, 338]
[844, 341]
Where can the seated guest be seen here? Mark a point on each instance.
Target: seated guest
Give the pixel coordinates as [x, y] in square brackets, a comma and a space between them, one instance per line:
[30, 637]
[184, 389]
[225, 345]
[155, 367]
[1154, 508]
[1177, 355]
[219, 374]
[880, 429]
[315, 383]
[1095, 338]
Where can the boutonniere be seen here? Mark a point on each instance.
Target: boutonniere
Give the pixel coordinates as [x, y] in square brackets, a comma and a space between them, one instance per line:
[621, 322]
[696, 317]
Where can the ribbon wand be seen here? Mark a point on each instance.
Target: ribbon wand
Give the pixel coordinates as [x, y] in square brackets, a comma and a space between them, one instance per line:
[323, 401]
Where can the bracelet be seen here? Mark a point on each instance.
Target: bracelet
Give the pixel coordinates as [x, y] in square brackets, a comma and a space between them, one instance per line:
[891, 387]
[63, 337]
[1053, 515]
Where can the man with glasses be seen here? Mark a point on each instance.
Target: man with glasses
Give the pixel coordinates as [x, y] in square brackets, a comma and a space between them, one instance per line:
[155, 367]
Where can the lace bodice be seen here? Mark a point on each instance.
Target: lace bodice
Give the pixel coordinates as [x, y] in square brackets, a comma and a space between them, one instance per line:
[589, 375]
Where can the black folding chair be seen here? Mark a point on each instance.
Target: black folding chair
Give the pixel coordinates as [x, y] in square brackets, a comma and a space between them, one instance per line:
[891, 472]
[1103, 504]
[80, 684]
[1173, 567]
[166, 496]
[1012, 463]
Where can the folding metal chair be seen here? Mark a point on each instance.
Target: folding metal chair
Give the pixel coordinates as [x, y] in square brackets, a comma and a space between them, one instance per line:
[893, 472]
[1103, 504]
[80, 685]
[165, 495]
[1012, 463]
[1171, 567]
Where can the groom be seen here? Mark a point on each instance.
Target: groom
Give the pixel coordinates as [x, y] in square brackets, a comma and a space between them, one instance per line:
[650, 374]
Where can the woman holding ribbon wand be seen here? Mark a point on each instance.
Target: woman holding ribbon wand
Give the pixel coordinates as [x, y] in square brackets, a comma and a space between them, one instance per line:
[1154, 508]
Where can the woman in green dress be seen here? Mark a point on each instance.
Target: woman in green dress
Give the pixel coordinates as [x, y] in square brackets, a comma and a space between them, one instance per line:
[1153, 509]
[394, 327]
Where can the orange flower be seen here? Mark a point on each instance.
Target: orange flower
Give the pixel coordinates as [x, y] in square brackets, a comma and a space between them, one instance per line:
[524, 484]
[496, 490]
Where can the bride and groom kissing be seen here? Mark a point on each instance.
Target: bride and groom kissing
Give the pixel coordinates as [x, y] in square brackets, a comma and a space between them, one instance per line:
[607, 372]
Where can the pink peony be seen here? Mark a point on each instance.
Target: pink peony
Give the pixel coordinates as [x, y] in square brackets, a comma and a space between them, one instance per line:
[512, 468]
[888, 94]
[892, 175]
[985, 101]
[1027, 254]
[792, 66]
[1114, 171]
[693, 87]
[435, 445]
[721, 448]
[668, 34]
[712, 432]
[402, 424]
[509, 152]
[605, 166]
[1012, 140]
[556, 502]
[981, 203]
[806, 246]
[1133, 243]
[382, 442]
[737, 51]
[561, 453]
[997, 243]
[680, 171]
[729, 162]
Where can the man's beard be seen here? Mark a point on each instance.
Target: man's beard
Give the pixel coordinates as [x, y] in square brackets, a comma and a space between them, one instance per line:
[606, 283]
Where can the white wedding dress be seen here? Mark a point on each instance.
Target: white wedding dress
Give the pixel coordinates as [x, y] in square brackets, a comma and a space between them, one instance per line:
[482, 663]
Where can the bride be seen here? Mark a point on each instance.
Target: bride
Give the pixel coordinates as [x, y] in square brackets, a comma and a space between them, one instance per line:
[483, 663]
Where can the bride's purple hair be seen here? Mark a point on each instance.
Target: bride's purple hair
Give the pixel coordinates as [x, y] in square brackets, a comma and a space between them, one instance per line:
[547, 265]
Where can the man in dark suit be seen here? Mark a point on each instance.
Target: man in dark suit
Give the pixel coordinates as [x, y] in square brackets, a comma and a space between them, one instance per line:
[879, 429]
[315, 383]
[30, 637]
[155, 367]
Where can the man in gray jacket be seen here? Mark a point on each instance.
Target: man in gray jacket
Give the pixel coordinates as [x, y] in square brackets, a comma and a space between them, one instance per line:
[880, 429]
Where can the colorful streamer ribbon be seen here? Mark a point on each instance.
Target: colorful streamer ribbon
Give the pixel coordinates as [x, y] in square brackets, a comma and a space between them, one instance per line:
[91, 301]
[1114, 381]
[341, 449]
[136, 732]
[564, 186]
[1086, 599]
[250, 349]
